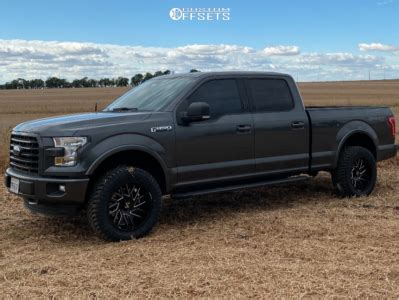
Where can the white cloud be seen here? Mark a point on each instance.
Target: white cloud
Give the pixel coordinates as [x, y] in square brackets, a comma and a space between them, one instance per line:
[281, 50]
[385, 2]
[214, 49]
[340, 59]
[378, 47]
[41, 59]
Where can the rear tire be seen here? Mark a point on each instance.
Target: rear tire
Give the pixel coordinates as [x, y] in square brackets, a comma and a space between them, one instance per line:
[125, 204]
[356, 172]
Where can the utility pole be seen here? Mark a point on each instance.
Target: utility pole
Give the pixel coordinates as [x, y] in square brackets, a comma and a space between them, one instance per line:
[318, 74]
[369, 76]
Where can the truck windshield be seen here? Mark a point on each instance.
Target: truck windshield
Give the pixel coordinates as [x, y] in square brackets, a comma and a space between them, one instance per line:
[152, 95]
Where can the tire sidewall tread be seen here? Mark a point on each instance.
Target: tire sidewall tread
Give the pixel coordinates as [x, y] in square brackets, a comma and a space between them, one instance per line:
[97, 208]
[344, 168]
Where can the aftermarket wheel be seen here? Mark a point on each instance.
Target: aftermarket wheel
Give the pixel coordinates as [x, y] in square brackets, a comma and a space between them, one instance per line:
[356, 172]
[125, 204]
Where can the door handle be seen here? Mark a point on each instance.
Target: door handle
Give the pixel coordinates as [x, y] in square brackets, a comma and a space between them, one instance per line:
[298, 125]
[244, 128]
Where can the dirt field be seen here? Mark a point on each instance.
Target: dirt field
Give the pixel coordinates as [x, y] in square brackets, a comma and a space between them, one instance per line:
[296, 240]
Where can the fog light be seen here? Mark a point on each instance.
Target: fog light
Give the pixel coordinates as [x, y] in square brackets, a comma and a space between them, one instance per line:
[62, 188]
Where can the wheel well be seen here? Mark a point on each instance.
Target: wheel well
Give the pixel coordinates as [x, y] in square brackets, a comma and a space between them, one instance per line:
[362, 140]
[134, 158]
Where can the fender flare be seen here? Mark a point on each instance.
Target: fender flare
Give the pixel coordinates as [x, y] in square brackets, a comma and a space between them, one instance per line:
[121, 148]
[367, 130]
[98, 161]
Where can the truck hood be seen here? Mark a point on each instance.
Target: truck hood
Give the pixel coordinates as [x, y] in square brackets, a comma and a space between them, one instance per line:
[69, 124]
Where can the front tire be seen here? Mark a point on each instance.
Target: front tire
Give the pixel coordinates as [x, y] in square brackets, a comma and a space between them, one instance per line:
[125, 204]
[356, 172]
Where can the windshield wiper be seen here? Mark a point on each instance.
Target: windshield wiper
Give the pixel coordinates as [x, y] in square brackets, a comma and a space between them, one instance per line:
[124, 109]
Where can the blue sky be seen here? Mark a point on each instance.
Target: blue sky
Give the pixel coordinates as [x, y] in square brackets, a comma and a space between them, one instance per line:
[316, 28]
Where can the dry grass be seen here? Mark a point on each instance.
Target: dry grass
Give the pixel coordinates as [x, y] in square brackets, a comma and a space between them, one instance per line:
[352, 93]
[284, 241]
[17, 106]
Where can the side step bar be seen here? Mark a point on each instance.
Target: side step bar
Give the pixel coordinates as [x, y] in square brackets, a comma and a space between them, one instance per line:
[180, 195]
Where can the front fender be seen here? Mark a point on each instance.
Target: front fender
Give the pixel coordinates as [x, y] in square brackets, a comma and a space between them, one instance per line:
[123, 142]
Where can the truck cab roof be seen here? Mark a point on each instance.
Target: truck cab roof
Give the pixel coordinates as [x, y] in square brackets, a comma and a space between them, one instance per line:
[201, 75]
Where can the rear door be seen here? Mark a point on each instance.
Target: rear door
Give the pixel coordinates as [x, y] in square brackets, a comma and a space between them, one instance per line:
[221, 147]
[281, 126]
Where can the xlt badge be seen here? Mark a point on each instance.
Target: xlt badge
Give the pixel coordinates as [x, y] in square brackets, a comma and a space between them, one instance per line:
[161, 128]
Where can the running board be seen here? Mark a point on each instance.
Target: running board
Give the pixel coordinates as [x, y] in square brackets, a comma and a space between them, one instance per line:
[231, 188]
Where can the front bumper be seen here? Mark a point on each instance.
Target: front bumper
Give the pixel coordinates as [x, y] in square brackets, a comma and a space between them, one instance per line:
[46, 191]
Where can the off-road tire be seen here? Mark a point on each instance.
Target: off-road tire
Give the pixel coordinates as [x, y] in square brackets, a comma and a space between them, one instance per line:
[98, 209]
[342, 175]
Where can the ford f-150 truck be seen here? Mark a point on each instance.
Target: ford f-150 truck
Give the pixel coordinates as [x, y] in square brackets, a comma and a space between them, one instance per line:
[190, 134]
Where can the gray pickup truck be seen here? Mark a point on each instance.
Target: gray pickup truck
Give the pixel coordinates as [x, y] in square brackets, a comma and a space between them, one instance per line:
[191, 134]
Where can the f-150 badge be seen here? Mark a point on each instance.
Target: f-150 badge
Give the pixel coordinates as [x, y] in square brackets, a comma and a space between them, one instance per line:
[161, 128]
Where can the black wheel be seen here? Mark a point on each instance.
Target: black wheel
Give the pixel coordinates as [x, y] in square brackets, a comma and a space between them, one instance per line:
[125, 204]
[356, 172]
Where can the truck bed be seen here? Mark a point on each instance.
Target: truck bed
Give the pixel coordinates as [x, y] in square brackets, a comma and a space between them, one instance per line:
[312, 107]
[327, 122]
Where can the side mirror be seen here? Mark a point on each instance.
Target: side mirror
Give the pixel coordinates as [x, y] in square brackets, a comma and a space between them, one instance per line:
[196, 111]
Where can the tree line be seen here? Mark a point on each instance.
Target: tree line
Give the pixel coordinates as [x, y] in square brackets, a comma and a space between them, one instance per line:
[85, 82]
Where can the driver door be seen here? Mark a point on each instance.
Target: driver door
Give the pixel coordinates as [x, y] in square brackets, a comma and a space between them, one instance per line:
[221, 147]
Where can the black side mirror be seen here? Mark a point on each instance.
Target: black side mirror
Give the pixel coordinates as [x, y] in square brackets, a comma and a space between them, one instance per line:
[196, 111]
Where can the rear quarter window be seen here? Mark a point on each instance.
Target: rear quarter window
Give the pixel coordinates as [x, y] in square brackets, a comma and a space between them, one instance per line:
[270, 95]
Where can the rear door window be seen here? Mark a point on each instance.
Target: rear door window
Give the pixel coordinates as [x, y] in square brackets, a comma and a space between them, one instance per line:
[270, 95]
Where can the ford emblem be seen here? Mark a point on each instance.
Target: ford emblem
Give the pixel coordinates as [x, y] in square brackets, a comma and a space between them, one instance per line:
[16, 150]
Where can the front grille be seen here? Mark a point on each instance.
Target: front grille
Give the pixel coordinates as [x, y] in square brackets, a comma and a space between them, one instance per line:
[24, 153]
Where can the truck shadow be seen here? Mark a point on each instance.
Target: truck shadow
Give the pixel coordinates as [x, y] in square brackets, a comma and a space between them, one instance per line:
[180, 213]
[207, 208]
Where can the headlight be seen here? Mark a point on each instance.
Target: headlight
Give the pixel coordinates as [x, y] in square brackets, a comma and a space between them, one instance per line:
[70, 145]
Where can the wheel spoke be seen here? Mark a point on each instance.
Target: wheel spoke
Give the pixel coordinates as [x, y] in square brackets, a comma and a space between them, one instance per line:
[117, 194]
[113, 207]
[117, 218]
[124, 215]
[139, 204]
[129, 206]
[130, 218]
[117, 199]
[134, 214]
[357, 163]
[137, 194]
[360, 174]
[129, 192]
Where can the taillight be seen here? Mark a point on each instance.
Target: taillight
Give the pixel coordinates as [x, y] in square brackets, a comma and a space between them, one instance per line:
[392, 125]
